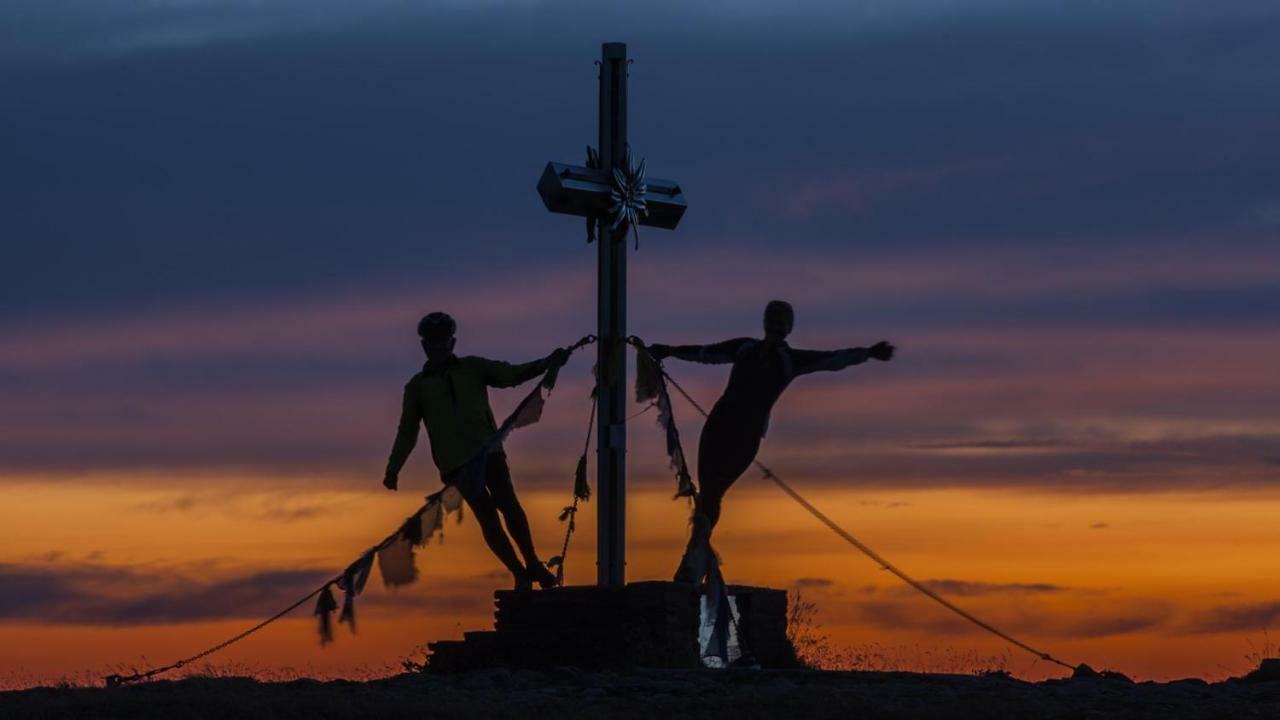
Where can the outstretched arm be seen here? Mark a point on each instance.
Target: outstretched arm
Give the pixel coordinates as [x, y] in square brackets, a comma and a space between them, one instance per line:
[504, 375]
[808, 361]
[714, 354]
[406, 437]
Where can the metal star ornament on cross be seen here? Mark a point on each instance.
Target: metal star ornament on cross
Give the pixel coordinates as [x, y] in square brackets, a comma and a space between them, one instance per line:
[627, 197]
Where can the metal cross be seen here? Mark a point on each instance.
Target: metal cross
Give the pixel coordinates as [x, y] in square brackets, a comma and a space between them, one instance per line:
[614, 196]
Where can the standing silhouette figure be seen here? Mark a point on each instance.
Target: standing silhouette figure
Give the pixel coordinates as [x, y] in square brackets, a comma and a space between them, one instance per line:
[730, 439]
[450, 396]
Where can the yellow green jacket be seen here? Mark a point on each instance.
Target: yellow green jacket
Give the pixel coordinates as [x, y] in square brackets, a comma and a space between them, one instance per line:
[452, 399]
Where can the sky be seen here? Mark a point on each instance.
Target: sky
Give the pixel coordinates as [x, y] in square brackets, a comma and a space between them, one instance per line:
[220, 223]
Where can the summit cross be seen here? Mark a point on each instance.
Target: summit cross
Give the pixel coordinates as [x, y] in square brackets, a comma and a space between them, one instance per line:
[614, 196]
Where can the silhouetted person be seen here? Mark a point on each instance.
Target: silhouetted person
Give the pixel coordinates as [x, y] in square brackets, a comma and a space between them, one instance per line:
[762, 369]
[450, 396]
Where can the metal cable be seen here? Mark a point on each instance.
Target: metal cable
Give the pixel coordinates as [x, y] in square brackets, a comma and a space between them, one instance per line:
[116, 680]
[865, 550]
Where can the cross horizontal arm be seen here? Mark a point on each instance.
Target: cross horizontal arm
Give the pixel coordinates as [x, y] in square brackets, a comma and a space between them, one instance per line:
[576, 190]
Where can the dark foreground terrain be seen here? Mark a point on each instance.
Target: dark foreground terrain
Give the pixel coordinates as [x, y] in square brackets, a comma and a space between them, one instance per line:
[656, 694]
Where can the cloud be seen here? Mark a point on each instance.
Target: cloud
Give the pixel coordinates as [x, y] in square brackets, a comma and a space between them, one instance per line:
[84, 29]
[273, 507]
[984, 446]
[1111, 624]
[966, 588]
[897, 616]
[1031, 620]
[1244, 617]
[58, 588]
[549, 294]
[102, 595]
[887, 505]
[1003, 408]
[814, 582]
[79, 28]
[296, 329]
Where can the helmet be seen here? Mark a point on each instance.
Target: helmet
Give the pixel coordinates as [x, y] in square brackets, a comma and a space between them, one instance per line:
[437, 326]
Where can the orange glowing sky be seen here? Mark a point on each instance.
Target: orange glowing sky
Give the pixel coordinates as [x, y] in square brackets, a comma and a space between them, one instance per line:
[1137, 582]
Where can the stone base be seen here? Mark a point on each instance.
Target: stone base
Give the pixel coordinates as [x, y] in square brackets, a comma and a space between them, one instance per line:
[644, 624]
[761, 629]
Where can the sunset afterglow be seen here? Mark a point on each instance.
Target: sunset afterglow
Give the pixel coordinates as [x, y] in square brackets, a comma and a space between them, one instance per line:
[220, 229]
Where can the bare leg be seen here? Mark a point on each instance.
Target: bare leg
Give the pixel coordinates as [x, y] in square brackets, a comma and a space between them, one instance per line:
[486, 513]
[725, 451]
[504, 496]
[517, 523]
[709, 503]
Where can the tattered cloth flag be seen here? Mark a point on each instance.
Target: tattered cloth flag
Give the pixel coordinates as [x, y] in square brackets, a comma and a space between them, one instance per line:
[395, 562]
[411, 528]
[719, 611]
[667, 418]
[432, 522]
[648, 376]
[447, 501]
[552, 374]
[395, 554]
[581, 488]
[450, 499]
[651, 385]
[352, 583]
[528, 412]
[325, 605]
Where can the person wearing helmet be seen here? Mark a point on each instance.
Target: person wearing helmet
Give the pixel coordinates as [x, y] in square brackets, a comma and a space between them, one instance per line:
[451, 398]
[730, 439]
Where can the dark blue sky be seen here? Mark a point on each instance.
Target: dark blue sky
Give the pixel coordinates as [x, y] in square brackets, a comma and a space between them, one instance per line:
[202, 150]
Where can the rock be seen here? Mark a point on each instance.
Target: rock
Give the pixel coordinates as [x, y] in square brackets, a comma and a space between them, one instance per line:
[647, 694]
[1084, 672]
[1268, 671]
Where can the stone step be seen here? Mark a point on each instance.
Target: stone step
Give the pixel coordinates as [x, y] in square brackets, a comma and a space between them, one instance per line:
[649, 624]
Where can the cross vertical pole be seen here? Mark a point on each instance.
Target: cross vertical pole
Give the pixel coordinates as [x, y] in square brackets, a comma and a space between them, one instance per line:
[611, 439]
[592, 191]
